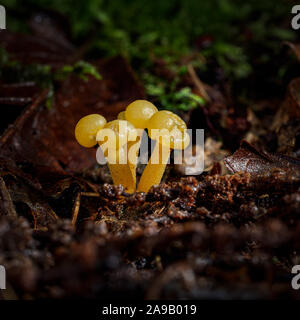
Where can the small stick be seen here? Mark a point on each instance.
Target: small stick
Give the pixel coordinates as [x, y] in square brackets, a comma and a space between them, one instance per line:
[77, 204]
[90, 194]
[76, 209]
[158, 263]
[6, 205]
[27, 112]
[198, 83]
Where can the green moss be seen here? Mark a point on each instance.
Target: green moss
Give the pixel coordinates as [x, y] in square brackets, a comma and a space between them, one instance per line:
[171, 29]
[13, 71]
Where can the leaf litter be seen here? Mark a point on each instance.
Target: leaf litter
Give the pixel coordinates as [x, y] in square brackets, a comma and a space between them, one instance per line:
[66, 232]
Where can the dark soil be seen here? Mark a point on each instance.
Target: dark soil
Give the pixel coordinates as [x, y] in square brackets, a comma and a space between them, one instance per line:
[232, 232]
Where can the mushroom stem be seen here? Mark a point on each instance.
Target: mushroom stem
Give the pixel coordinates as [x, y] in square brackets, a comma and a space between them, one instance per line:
[121, 174]
[132, 155]
[155, 168]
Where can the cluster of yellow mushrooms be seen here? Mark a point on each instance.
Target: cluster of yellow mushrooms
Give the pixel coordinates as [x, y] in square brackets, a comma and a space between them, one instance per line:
[120, 141]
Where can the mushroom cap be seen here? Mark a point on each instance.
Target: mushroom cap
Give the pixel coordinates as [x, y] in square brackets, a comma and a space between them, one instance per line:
[139, 112]
[86, 129]
[121, 115]
[118, 132]
[169, 129]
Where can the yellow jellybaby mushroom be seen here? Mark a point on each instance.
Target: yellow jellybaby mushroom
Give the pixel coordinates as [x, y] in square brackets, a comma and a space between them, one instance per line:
[170, 132]
[121, 115]
[120, 141]
[113, 139]
[138, 113]
[87, 129]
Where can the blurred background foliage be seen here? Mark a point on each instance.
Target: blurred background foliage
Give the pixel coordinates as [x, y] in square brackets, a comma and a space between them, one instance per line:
[233, 39]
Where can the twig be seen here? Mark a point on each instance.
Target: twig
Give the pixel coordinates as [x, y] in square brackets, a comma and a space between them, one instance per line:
[76, 209]
[158, 263]
[6, 205]
[77, 202]
[23, 118]
[198, 83]
[90, 194]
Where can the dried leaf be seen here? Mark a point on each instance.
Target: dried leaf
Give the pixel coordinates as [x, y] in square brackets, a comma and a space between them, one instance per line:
[249, 159]
[45, 137]
[48, 43]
